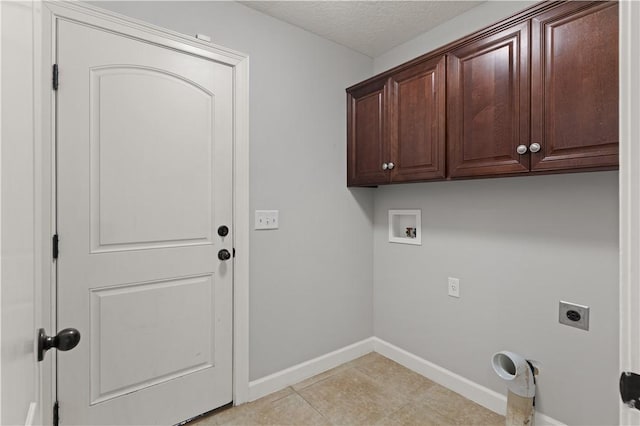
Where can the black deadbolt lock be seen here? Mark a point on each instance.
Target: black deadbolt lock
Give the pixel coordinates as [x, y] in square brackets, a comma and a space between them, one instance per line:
[223, 231]
[65, 340]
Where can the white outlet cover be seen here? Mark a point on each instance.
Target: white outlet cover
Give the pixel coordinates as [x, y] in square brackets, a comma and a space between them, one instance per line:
[454, 287]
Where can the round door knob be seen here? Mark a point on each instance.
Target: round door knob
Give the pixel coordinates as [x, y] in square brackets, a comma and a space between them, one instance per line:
[224, 254]
[534, 147]
[385, 166]
[391, 166]
[65, 340]
[223, 231]
[521, 149]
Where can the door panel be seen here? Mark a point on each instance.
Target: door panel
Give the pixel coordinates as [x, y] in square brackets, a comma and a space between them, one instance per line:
[575, 86]
[368, 146]
[126, 358]
[488, 104]
[131, 157]
[144, 154]
[418, 122]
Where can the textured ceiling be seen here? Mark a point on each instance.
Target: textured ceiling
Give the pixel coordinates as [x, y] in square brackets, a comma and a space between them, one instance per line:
[370, 27]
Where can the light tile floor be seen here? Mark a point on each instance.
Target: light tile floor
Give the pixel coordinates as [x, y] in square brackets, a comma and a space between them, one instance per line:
[371, 390]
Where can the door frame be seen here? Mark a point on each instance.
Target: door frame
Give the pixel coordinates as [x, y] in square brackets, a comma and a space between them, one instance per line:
[45, 163]
[629, 197]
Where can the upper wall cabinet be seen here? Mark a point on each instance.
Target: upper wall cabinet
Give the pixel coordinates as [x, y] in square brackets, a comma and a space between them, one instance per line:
[488, 104]
[417, 122]
[536, 93]
[368, 147]
[396, 127]
[574, 86]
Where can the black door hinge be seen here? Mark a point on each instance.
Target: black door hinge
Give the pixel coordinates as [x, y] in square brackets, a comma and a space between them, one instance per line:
[55, 77]
[234, 252]
[55, 246]
[56, 414]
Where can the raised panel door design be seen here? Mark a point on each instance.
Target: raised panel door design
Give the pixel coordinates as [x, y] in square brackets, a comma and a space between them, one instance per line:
[575, 86]
[138, 196]
[153, 342]
[418, 122]
[367, 142]
[488, 105]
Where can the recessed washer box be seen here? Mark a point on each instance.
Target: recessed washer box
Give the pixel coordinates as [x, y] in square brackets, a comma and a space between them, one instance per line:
[405, 226]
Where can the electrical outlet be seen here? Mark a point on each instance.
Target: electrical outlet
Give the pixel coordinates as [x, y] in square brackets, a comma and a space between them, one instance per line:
[574, 315]
[267, 219]
[454, 287]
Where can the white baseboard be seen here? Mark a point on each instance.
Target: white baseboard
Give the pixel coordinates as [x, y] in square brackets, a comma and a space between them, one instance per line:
[297, 373]
[489, 399]
[479, 394]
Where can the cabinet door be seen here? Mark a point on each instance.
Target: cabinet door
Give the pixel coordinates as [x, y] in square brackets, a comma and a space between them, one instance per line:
[417, 122]
[488, 104]
[574, 97]
[367, 141]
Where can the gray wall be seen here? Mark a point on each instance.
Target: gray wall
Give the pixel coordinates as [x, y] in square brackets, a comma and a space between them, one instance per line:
[518, 245]
[310, 289]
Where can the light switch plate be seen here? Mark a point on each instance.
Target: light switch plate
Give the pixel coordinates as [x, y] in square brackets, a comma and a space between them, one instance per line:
[267, 219]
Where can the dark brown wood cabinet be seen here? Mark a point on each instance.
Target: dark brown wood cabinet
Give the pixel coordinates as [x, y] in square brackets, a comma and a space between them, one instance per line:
[488, 104]
[396, 127]
[417, 122]
[574, 86]
[367, 135]
[535, 93]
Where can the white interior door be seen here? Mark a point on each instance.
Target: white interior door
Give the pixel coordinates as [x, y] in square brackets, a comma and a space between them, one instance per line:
[144, 163]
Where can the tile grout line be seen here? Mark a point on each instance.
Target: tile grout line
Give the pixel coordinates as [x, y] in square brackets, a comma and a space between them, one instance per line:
[391, 414]
[357, 368]
[321, 380]
[312, 406]
[377, 380]
[352, 367]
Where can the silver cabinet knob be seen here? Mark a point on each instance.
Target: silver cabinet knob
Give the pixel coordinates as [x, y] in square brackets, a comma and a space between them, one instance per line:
[534, 147]
[521, 149]
[391, 166]
[385, 166]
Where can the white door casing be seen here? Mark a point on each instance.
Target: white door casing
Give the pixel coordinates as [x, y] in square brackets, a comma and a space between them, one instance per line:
[629, 197]
[19, 234]
[237, 64]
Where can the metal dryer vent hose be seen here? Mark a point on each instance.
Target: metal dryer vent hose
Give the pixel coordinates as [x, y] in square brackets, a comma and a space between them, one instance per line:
[519, 376]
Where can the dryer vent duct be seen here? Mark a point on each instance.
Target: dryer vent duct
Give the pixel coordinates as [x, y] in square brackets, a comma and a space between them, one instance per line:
[519, 376]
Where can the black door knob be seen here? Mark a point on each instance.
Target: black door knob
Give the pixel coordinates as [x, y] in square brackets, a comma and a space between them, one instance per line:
[65, 340]
[224, 254]
[223, 231]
